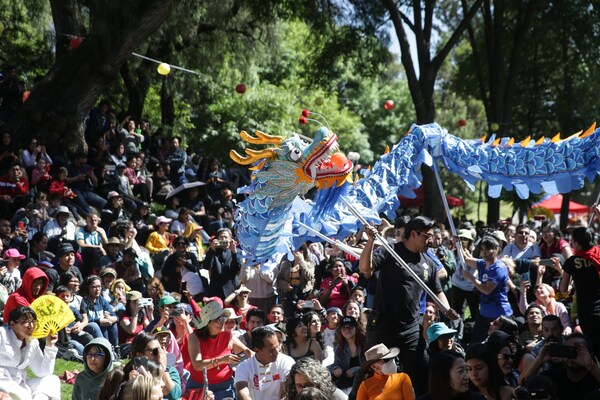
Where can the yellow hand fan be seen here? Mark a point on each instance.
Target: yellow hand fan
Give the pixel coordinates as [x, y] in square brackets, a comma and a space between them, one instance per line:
[52, 313]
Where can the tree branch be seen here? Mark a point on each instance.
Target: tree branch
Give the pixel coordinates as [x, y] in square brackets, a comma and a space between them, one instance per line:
[453, 40]
[406, 58]
[477, 62]
[523, 26]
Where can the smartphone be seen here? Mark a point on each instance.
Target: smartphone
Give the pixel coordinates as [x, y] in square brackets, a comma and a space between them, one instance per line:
[562, 350]
[546, 262]
[183, 285]
[21, 225]
[140, 362]
[525, 276]
[144, 302]
[243, 356]
[538, 394]
[308, 304]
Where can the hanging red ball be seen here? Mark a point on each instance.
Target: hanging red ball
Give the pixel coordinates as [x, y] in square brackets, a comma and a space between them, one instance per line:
[75, 42]
[240, 88]
[305, 113]
[462, 122]
[389, 105]
[302, 120]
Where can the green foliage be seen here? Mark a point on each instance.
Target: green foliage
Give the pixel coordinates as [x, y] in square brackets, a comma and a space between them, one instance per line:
[183, 113]
[23, 43]
[366, 98]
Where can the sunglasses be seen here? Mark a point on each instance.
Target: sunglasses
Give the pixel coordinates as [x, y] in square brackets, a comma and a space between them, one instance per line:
[220, 320]
[427, 235]
[506, 356]
[155, 351]
[95, 356]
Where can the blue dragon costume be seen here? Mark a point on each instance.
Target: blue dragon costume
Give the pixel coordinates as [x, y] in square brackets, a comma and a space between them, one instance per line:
[267, 221]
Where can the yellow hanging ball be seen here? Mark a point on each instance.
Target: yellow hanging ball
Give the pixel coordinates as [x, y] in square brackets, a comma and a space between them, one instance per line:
[164, 68]
[494, 126]
[1, 27]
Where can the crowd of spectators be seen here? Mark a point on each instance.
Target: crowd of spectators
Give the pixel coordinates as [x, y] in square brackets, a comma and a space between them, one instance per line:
[137, 237]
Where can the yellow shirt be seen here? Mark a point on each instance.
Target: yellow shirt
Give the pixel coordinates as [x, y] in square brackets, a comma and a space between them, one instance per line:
[157, 243]
[386, 387]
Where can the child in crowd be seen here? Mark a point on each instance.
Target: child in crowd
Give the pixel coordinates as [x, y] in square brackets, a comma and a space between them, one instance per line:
[13, 257]
[72, 337]
[118, 290]
[40, 176]
[358, 294]
[334, 315]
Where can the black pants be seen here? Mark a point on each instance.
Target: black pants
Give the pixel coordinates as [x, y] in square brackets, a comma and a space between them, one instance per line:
[412, 356]
[457, 301]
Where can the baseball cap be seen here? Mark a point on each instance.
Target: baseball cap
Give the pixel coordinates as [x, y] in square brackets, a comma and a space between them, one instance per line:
[186, 307]
[44, 265]
[335, 310]
[65, 248]
[161, 330]
[133, 295]
[163, 220]
[167, 300]
[108, 270]
[112, 194]
[348, 321]
[13, 253]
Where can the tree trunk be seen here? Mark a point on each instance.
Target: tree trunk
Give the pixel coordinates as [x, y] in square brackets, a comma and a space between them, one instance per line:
[67, 21]
[137, 86]
[422, 87]
[59, 103]
[167, 105]
[498, 97]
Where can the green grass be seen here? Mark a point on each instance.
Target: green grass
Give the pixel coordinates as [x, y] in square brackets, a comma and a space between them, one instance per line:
[66, 391]
[59, 368]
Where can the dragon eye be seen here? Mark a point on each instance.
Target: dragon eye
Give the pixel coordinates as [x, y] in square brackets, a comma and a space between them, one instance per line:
[295, 154]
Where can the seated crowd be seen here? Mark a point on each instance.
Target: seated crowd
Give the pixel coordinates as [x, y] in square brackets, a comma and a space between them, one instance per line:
[165, 304]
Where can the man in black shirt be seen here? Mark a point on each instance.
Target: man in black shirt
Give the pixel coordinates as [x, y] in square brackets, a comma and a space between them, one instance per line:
[576, 376]
[583, 268]
[395, 317]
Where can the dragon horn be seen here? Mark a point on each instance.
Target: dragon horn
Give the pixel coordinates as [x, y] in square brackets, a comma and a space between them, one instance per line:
[589, 131]
[262, 138]
[253, 155]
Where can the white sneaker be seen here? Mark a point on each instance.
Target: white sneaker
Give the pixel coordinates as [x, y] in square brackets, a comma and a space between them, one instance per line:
[75, 355]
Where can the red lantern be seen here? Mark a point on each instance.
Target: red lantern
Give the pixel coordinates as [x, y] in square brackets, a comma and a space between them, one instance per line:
[389, 105]
[240, 88]
[76, 42]
[462, 122]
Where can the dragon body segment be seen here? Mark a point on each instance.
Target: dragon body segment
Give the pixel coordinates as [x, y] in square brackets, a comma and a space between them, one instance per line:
[266, 220]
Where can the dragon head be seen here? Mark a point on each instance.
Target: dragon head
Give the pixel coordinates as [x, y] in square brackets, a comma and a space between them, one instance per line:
[318, 162]
[322, 162]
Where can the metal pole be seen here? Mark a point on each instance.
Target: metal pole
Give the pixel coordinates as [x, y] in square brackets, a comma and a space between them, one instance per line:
[593, 211]
[461, 258]
[396, 257]
[344, 247]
